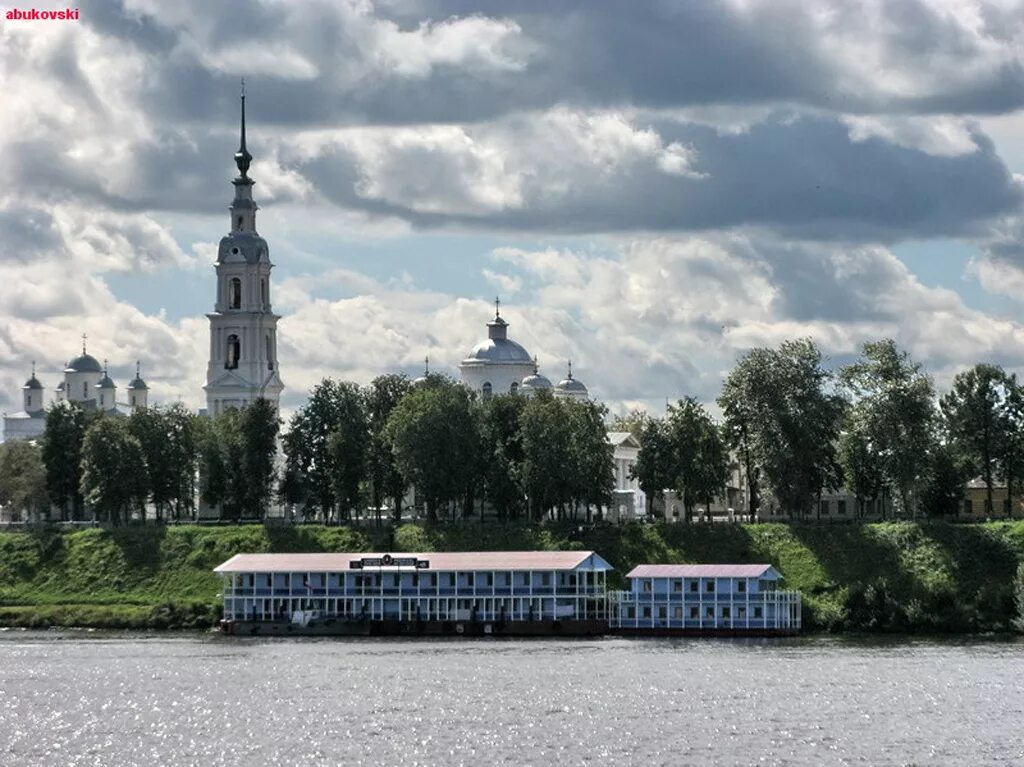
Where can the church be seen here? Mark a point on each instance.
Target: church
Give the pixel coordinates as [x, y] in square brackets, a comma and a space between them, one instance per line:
[85, 382]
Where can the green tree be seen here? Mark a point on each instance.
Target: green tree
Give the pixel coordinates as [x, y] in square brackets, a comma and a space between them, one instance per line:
[382, 396]
[547, 455]
[501, 446]
[942, 489]
[1010, 457]
[592, 465]
[862, 469]
[699, 460]
[258, 427]
[432, 432]
[23, 479]
[114, 476]
[974, 420]
[66, 424]
[634, 422]
[310, 469]
[780, 401]
[169, 443]
[347, 448]
[653, 469]
[894, 405]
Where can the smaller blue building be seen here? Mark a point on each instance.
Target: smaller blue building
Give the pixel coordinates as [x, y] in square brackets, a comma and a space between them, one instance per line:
[704, 599]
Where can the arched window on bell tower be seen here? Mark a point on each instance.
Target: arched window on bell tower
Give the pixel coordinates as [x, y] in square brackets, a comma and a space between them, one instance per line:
[233, 352]
[263, 292]
[235, 293]
[270, 353]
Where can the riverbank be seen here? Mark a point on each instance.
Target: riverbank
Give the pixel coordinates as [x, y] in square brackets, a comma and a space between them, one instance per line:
[884, 577]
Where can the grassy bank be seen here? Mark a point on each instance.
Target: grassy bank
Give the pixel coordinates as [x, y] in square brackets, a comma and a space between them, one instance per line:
[878, 577]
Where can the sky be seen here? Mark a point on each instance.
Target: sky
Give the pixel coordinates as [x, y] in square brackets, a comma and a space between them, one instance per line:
[652, 188]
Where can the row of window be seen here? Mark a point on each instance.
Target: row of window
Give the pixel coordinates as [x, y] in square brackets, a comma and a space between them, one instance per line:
[694, 612]
[487, 389]
[233, 352]
[393, 580]
[693, 585]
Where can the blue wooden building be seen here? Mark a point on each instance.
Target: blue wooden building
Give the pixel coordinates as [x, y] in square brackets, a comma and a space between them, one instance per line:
[440, 592]
[704, 599]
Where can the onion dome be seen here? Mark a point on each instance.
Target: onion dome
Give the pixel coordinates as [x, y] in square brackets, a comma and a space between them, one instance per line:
[137, 384]
[85, 363]
[570, 385]
[105, 382]
[534, 382]
[33, 382]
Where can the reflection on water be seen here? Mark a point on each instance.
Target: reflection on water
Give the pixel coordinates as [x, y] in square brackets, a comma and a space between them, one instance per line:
[74, 699]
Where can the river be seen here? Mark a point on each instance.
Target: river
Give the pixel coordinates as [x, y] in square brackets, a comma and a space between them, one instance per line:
[76, 699]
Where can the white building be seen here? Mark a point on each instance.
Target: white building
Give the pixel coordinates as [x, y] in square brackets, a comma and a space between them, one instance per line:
[499, 365]
[243, 328]
[630, 502]
[85, 382]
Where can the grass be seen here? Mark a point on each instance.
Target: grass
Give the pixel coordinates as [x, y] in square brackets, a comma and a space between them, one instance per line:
[881, 577]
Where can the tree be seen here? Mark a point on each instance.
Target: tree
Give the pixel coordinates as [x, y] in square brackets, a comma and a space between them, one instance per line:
[943, 482]
[779, 408]
[432, 433]
[654, 464]
[347, 447]
[634, 422]
[861, 466]
[66, 423]
[592, 465]
[114, 476]
[974, 420]
[547, 455]
[1010, 459]
[739, 417]
[258, 428]
[23, 479]
[699, 462]
[169, 443]
[382, 396]
[501, 446]
[894, 406]
[1018, 598]
[311, 473]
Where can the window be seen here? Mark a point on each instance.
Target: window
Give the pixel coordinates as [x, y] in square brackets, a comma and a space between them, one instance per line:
[677, 586]
[235, 293]
[263, 291]
[841, 508]
[710, 587]
[415, 579]
[741, 612]
[678, 612]
[545, 579]
[709, 613]
[513, 388]
[647, 587]
[968, 507]
[693, 587]
[233, 352]
[630, 612]
[662, 612]
[824, 507]
[694, 613]
[726, 612]
[741, 587]
[647, 612]
[486, 390]
[270, 354]
[133, 400]
[396, 580]
[757, 612]
[469, 579]
[489, 579]
[238, 225]
[85, 390]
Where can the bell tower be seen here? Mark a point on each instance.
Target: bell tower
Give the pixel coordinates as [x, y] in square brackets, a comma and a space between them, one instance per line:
[243, 327]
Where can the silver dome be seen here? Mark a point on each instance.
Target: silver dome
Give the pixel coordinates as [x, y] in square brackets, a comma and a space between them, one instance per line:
[535, 382]
[242, 247]
[499, 350]
[32, 383]
[571, 385]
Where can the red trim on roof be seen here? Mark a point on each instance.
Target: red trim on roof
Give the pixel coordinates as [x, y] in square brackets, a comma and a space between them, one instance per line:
[698, 571]
[439, 561]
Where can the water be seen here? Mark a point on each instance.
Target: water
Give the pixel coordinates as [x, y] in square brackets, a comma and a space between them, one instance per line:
[70, 699]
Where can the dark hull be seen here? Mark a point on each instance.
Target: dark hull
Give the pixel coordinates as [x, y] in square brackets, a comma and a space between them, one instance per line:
[340, 627]
[710, 632]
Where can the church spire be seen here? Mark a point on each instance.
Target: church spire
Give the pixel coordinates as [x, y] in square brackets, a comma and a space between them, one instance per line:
[242, 156]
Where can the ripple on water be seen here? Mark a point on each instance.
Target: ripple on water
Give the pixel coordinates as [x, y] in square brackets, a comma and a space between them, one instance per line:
[216, 701]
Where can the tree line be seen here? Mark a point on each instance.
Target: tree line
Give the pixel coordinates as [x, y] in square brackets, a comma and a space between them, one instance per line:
[875, 427]
[348, 450]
